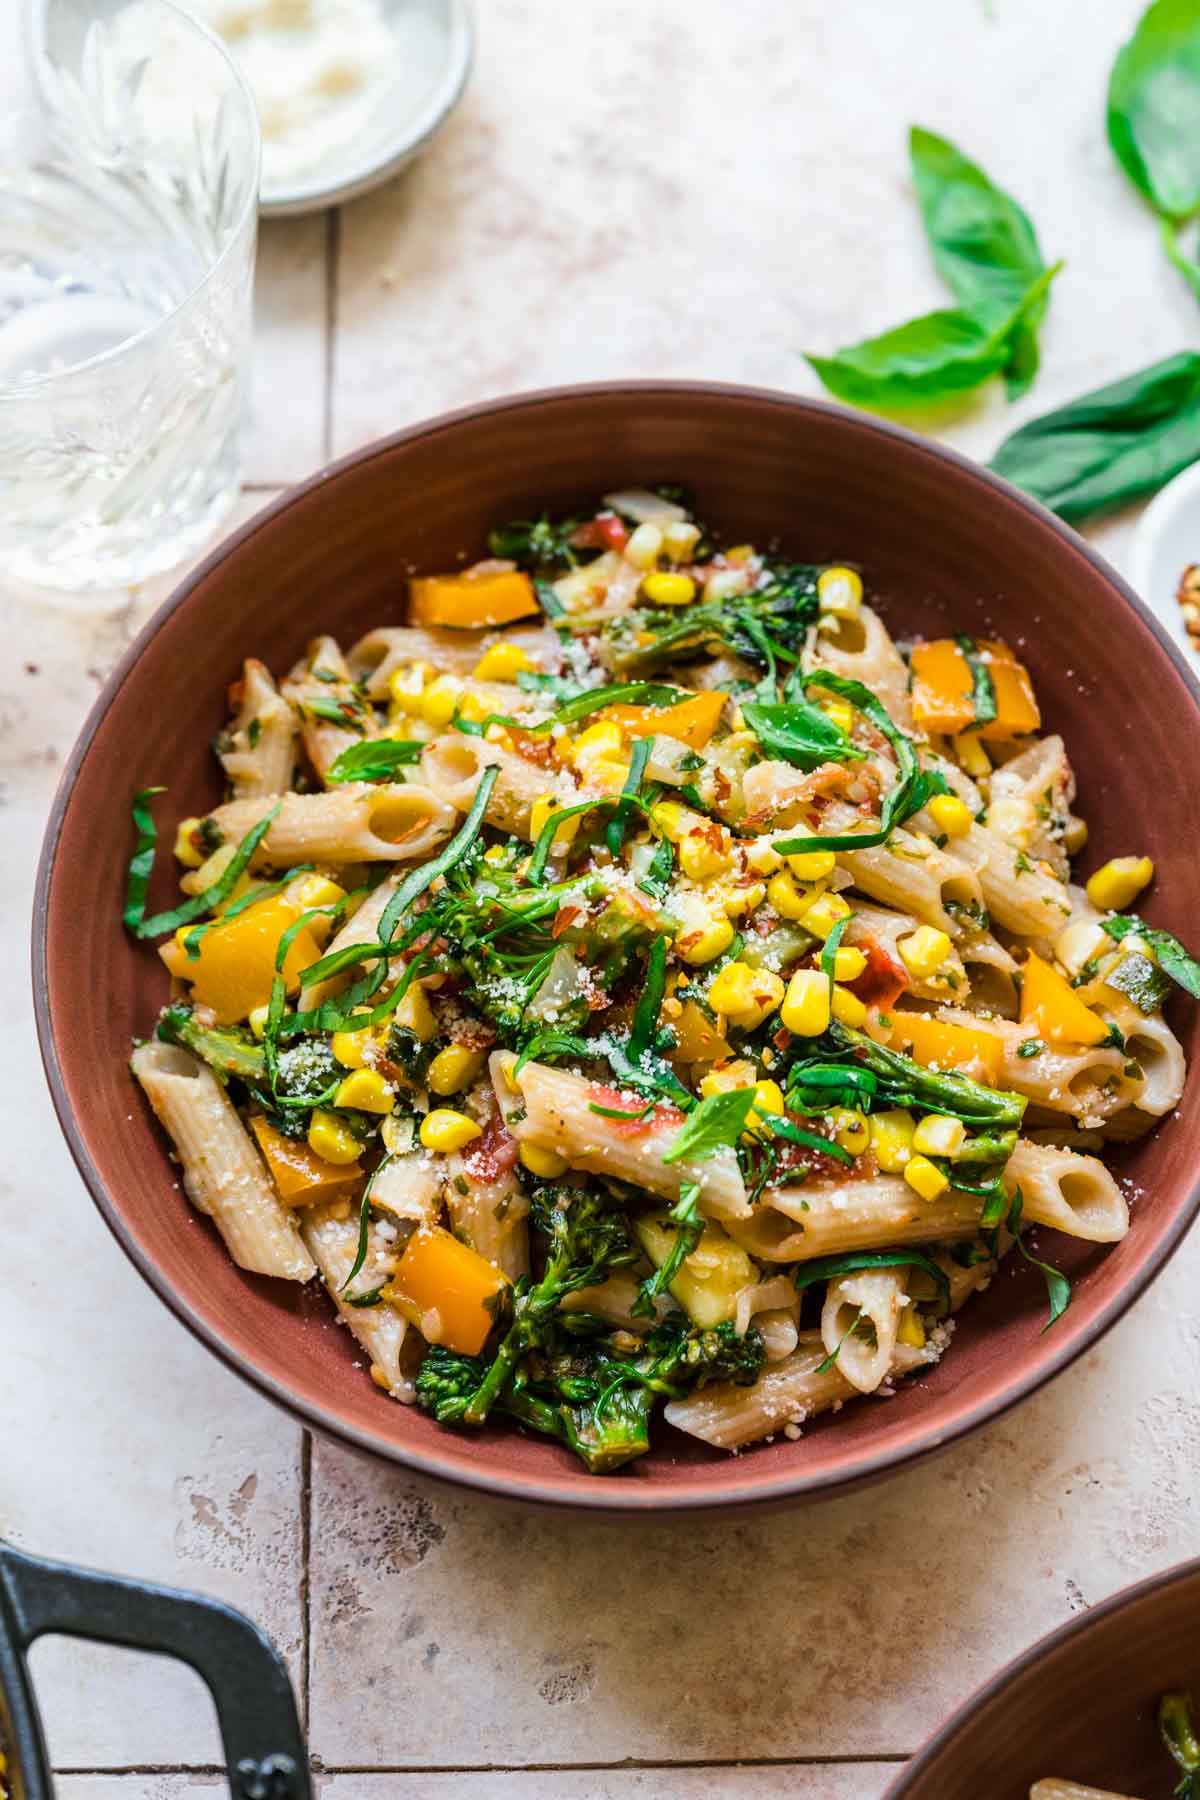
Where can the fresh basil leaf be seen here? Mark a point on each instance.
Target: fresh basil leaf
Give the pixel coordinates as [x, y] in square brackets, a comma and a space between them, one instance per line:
[1171, 956]
[614, 833]
[195, 908]
[1111, 446]
[364, 1231]
[375, 760]
[800, 733]
[418, 880]
[631, 693]
[983, 244]
[657, 880]
[791, 1133]
[983, 694]
[689, 1229]
[141, 863]
[852, 1262]
[645, 1019]
[1058, 1287]
[715, 1124]
[1154, 107]
[346, 713]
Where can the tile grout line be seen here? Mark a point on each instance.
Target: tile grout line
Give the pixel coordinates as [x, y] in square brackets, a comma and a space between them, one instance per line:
[305, 1580]
[560, 1768]
[333, 246]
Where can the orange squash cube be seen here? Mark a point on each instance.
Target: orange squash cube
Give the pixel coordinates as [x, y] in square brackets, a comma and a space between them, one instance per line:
[691, 722]
[301, 1176]
[943, 696]
[447, 1289]
[1052, 1009]
[236, 966]
[937, 1044]
[469, 600]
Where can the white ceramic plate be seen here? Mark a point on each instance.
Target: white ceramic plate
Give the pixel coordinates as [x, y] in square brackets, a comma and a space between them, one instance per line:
[1165, 540]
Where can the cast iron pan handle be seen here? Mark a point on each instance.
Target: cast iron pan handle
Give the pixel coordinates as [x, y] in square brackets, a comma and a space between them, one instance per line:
[264, 1750]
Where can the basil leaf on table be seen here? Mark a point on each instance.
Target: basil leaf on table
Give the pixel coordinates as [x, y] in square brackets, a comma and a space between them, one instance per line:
[984, 245]
[1154, 118]
[1111, 446]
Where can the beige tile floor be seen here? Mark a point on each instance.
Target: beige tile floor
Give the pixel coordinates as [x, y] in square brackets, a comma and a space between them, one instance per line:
[683, 189]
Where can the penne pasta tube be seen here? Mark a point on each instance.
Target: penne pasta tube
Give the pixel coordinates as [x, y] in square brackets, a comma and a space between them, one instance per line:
[1072, 1193]
[258, 751]
[1052, 1789]
[1018, 893]
[322, 678]
[361, 822]
[374, 659]
[859, 1321]
[223, 1174]
[861, 649]
[451, 767]
[872, 1213]
[488, 1207]
[380, 1329]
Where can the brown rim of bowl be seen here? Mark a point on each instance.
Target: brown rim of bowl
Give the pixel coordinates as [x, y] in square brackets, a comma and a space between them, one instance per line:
[943, 1738]
[543, 1490]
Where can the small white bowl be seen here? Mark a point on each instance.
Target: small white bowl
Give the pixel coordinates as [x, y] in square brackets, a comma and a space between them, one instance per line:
[1165, 540]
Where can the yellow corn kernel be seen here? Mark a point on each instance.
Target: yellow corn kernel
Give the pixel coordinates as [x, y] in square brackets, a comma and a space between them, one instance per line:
[1118, 884]
[415, 1014]
[502, 662]
[746, 996]
[805, 1008]
[739, 901]
[315, 890]
[1079, 943]
[607, 773]
[924, 951]
[762, 858]
[546, 1163]
[951, 815]
[911, 1330]
[669, 816]
[704, 853]
[406, 685]
[939, 1135]
[350, 1047]
[839, 712]
[495, 853]
[679, 539]
[473, 706]
[925, 1178]
[445, 1130]
[728, 1079]
[812, 865]
[971, 755]
[185, 850]
[840, 592]
[850, 1129]
[704, 942]
[453, 1069]
[258, 1021]
[331, 1139]
[848, 963]
[643, 546]
[787, 899]
[1075, 836]
[664, 589]
[848, 1008]
[366, 1091]
[438, 702]
[891, 1139]
[822, 914]
[601, 739]
[768, 1098]
[540, 814]
[741, 553]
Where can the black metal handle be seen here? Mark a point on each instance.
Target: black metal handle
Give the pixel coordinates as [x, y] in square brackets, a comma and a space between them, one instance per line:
[264, 1750]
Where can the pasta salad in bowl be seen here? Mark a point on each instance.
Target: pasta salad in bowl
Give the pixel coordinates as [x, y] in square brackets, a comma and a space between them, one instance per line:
[646, 987]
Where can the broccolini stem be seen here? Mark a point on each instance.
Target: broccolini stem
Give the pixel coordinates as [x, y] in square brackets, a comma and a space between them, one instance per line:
[946, 1092]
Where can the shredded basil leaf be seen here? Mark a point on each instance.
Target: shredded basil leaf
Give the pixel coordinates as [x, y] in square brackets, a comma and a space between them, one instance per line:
[199, 904]
[374, 760]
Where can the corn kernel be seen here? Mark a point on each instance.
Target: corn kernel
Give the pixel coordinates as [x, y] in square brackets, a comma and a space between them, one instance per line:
[185, 850]
[495, 853]
[891, 1139]
[415, 1014]
[848, 1008]
[839, 712]
[406, 685]
[669, 817]
[258, 1021]
[812, 865]
[607, 773]
[924, 951]
[331, 1139]
[848, 963]
[704, 942]
[911, 1329]
[704, 853]
[951, 815]
[787, 899]
[315, 890]
[643, 546]
[546, 1163]
[925, 1178]
[350, 1047]
[366, 1091]
[805, 1009]
[768, 1097]
[727, 1079]
[746, 996]
[971, 755]
[822, 914]
[679, 539]
[939, 1135]
[502, 662]
[601, 739]
[1075, 836]
[453, 1069]
[445, 1130]
[1118, 884]
[664, 589]
[739, 901]
[473, 706]
[540, 814]
[840, 592]
[440, 699]
[850, 1129]
[762, 857]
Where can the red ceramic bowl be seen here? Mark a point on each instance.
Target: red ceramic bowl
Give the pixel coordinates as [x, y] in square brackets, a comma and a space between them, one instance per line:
[1081, 1705]
[945, 546]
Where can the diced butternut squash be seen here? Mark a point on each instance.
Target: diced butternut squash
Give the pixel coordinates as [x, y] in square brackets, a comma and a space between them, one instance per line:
[710, 1279]
[943, 690]
[1052, 1009]
[447, 1289]
[691, 722]
[492, 597]
[302, 1177]
[236, 966]
[697, 1038]
[937, 1044]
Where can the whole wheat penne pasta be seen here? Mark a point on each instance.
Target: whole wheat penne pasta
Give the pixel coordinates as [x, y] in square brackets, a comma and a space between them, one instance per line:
[452, 765]
[361, 822]
[859, 1321]
[374, 659]
[1053, 1789]
[874, 1212]
[258, 750]
[1072, 1193]
[380, 1329]
[861, 649]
